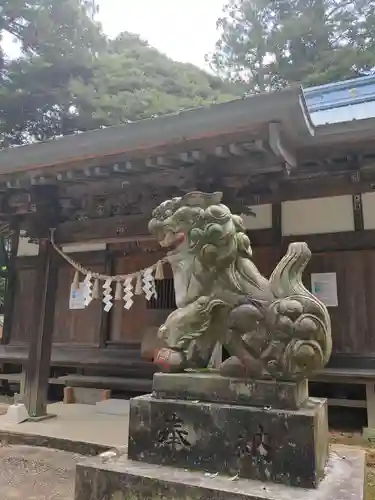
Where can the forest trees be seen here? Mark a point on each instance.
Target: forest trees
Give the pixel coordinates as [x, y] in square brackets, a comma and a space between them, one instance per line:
[71, 78]
[274, 43]
[132, 81]
[58, 42]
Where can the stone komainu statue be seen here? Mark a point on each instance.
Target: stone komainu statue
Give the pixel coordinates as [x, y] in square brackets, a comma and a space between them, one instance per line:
[271, 327]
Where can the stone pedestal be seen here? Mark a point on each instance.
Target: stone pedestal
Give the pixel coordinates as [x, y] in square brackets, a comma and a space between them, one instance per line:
[214, 388]
[203, 436]
[257, 442]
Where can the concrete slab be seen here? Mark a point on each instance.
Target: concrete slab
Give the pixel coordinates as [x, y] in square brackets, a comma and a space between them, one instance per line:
[76, 428]
[87, 395]
[123, 479]
[113, 407]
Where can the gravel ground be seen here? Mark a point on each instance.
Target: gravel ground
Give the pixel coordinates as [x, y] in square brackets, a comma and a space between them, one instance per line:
[32, 473]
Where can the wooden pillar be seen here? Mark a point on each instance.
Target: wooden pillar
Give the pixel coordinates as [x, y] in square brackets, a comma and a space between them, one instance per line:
[369, 431]
[39, 357]
[277, 234]
[10, 289]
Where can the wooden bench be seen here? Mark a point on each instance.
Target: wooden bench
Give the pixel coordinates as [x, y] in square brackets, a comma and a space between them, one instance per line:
[104, 382]
[356, 376]
[89, 389]
[113, 367]
[19, 379]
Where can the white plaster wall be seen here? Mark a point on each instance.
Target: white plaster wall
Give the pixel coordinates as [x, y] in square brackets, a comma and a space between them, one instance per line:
[368, 207]
[84, 247]
[27, 249]
[263, 219]
[317, 215]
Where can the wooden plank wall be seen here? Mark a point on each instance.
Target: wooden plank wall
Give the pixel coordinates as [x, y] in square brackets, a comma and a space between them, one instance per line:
[79, 326]
[70, 327]
[266, 258]
[85, 327]
[91, 326]
[132, 326]
[353, 321]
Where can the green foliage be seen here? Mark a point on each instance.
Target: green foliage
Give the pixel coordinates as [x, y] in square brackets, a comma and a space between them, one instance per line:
[49, 28]
[273, 43]
[70, 78]
[133, 81]
[59, 42]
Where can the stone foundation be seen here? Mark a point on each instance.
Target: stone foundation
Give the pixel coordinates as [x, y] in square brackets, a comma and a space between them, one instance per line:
[123, 479]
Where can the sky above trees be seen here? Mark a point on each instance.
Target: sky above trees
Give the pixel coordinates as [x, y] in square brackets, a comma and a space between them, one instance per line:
[184, 30]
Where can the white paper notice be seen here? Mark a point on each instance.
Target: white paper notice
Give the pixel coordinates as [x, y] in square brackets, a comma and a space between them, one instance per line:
[77, 297]
[324, 287]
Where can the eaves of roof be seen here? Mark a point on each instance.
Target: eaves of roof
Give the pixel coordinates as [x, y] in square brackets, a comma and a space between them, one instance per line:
[287, 107]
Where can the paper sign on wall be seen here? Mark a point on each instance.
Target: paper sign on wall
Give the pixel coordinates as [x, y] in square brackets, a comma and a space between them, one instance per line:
[324, 287]
[77, 297]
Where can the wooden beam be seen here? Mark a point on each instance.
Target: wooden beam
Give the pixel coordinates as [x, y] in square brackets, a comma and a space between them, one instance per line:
[221, 152]
[236, 150]
[256, 146]
[348, 240]
[294, 189]
[14, 184]
[39, 354]
[10, 287]
[94, 172]
[68, 176]
[121, 358]
[160, 162]
[106, 229]
[106, 318]
[120, 168]
[192, 157]
[39, 179]
[278, 147]
[261, 237]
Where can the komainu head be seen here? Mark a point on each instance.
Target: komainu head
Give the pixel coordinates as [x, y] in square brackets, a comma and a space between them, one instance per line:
[200, 223]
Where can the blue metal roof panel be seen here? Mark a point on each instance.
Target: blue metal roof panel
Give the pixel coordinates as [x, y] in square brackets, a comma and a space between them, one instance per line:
[342, 101]
[342, 114]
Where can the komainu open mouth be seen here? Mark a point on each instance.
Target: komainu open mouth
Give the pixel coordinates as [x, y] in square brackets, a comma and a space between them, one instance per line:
[173, 241]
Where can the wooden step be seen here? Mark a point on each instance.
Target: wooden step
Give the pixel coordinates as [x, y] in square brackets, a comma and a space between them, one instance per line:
[103, 382]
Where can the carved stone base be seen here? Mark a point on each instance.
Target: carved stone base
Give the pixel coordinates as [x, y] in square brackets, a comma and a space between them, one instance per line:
[123, 479]
[267, 444]
[212, 387]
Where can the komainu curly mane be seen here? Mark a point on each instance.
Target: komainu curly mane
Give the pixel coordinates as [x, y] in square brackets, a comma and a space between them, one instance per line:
[271, 327]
